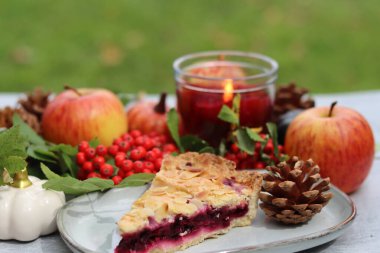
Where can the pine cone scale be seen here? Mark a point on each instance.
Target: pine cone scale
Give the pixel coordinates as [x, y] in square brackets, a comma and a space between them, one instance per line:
[266, 198]
[280, 202]
[288, 186]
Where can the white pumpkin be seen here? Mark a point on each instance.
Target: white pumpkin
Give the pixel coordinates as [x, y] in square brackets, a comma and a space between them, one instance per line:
[27, 213]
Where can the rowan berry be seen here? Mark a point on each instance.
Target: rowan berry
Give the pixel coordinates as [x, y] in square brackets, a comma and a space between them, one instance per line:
[101, 150]
[90, 153]
[98, 162]
[116, 180]
[80, 158]
[106, 170]
[127, 165]
[94, 174]
[112, 150]
[83, 145]
[135, 133]
[88, 166]
[138, 166]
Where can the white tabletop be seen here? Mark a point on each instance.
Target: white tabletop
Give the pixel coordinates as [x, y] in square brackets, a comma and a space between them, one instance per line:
[362, 236]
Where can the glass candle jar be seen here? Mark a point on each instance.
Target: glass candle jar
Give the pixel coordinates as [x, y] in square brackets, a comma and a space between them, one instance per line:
[208, 80]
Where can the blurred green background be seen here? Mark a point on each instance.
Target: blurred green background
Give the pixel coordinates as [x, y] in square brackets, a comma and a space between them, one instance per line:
[129, 46]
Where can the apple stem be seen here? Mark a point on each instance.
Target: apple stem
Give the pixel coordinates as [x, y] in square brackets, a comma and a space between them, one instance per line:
[68, 87]
[161, 106]
[332, 107]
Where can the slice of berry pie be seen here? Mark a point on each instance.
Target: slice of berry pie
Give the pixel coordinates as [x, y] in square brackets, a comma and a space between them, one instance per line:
[193, 197]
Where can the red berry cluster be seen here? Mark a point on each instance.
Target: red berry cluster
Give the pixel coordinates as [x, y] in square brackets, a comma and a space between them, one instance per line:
[261, 157]
[131, 153]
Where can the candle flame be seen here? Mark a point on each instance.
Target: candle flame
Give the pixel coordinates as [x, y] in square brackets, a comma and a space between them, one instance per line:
[228, 90]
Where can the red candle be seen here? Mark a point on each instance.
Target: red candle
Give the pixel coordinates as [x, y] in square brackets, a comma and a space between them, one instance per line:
[207, 81]
[199, 111]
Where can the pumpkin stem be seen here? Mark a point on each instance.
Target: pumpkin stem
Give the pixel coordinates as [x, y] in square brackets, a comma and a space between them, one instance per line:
[161, 106]
[68, 87]
[21, 179]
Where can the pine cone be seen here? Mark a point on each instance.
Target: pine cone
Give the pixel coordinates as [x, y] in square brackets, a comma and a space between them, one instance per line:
[290, 97]
[6, 115]
[293, 192]
[6, 118]
[30, 110]
[35, 102]
[30, 119]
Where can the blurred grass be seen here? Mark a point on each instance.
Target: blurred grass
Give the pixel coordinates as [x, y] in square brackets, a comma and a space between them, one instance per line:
[128, 46]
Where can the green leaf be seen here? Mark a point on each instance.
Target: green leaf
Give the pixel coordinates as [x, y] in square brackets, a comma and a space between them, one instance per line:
[12, 151]
[244, 141]
[65, 156]
[222, 148]
[69, 164]
[236, 104]
[27, 131]
[254, 136]
[112, 162]
[70, 185]
[34, 169]
[136, 180]
[94, 142]
[228, 115]
[73, 186]
[193, 143]
[48, 173]
[64, 148]
[102, 184]
[263, 144]
[12, 143]
[267, 159]
[207, 149]
[41, 154]
[13, 164]
[272, 129]
[173, 125]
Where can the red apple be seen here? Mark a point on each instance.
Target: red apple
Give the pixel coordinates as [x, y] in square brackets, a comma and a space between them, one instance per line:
[338, 139]
[149, 116]
[83, 114]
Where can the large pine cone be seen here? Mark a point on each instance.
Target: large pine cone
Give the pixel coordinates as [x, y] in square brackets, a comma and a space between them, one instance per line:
[293, 192]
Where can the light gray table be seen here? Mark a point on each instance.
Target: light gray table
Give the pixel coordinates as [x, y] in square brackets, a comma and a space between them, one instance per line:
[362, 236]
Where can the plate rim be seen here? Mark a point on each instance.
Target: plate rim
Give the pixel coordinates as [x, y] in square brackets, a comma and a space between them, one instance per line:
[272, 245]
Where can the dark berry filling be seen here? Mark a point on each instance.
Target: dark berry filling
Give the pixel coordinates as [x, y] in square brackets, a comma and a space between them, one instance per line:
[182, 227]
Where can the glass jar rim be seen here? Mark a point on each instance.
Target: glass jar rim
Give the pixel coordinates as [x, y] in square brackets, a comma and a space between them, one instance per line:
[272, 63]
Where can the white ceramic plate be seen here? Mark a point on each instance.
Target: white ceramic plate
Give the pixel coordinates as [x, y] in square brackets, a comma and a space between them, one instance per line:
[87, 224]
